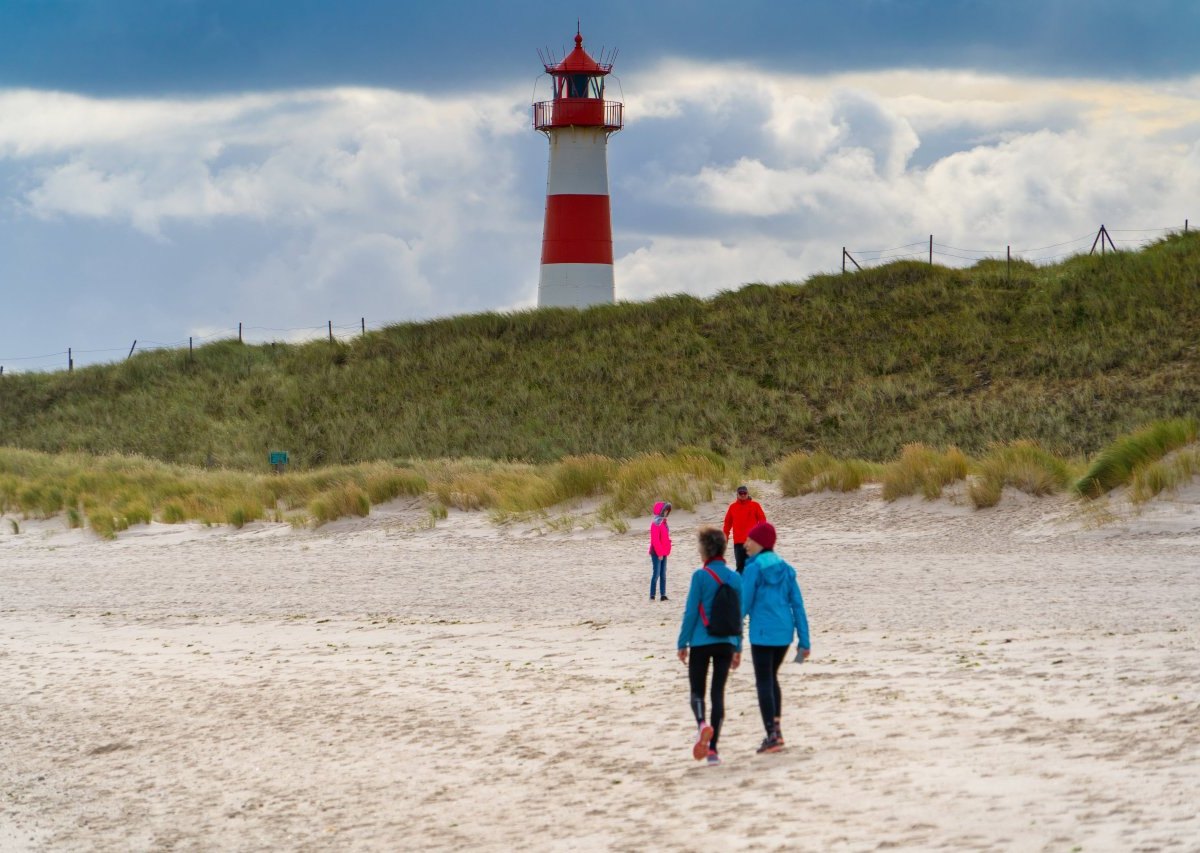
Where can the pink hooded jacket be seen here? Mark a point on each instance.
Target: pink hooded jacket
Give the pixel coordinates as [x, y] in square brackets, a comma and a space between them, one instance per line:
[660, 533]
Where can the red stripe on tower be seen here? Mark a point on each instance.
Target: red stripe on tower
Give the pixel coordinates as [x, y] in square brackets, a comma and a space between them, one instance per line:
[577, 255]
[578, 230]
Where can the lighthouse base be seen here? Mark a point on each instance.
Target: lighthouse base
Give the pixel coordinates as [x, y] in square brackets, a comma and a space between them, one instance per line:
[576, 285]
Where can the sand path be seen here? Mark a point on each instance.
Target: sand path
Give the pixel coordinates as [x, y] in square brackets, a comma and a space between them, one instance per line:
[1000, 680]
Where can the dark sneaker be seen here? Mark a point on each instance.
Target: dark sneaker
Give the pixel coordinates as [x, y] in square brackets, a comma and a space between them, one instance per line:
[713, 758]
[700, 747]
[770, 744]
[663, 598]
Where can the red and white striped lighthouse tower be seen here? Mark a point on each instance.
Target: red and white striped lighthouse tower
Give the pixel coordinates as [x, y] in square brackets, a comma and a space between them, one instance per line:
[577, 253]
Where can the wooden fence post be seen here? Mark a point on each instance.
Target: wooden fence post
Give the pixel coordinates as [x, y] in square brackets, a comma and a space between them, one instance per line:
[239, 333]
[131, 349]
[70, 361]
[931, 249]
[1008, 266]
[331, 331]
[846, 255]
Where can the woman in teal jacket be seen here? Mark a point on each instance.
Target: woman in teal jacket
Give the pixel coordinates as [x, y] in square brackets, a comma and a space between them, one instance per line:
[725, 653]
[771, 598]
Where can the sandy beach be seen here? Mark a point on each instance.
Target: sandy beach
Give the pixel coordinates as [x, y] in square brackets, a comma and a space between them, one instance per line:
[1021, 678]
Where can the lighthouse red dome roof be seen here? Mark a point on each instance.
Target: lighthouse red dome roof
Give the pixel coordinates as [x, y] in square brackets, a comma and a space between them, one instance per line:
[579, 61]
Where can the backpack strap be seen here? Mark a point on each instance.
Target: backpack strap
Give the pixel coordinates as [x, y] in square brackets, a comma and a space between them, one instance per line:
[714, 576]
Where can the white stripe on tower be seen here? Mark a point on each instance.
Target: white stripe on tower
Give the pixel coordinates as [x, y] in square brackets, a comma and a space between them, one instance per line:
[577, 262]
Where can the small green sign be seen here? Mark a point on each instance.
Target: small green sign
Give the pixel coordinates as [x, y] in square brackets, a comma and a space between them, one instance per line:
[279, 457]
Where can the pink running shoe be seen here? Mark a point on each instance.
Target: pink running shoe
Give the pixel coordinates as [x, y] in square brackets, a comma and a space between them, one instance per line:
[713, 758]
[700, 748]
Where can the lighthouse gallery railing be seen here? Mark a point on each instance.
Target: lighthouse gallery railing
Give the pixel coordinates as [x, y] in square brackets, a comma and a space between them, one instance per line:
[585, 112]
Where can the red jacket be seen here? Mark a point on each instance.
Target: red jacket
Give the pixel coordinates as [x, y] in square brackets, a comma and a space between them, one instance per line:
[740, 517]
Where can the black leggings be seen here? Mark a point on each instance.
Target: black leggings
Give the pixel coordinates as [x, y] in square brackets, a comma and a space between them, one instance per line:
[721, 655]
[767, 660]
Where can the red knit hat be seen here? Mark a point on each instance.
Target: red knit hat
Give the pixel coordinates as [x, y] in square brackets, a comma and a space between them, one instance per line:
[764, 534]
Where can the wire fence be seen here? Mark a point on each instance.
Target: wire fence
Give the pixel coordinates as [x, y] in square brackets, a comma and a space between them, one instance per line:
[929, 249]
[926, 249]
[68, 359]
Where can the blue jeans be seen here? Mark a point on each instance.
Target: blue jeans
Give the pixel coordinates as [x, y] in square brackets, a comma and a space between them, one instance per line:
[658, 566]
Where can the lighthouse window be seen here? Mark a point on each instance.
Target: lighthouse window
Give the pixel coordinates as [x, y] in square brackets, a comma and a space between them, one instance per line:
[577, 86]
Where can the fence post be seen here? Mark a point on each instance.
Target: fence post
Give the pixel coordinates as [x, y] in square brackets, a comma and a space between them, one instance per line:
[364, 325]
[70, 361]
[331, 331]
[931, 250]
[1008, 265]
[843, 259]
[239, 333]
[131, 349]
[1101, 236]
[189, 347]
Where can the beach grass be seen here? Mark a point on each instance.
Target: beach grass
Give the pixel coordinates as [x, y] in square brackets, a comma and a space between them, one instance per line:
[113, 493]
[1023, 465]
[805, 473]
[1070, 355]
[1115, 465]
[1165, 475]
[923, 469]
[110, 494]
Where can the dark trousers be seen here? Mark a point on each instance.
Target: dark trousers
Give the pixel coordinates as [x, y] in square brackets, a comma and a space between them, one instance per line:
[767, 660]
[739, 554]
[721, 655]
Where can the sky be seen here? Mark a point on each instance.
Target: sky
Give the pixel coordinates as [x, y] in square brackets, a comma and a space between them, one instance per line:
[171, 169]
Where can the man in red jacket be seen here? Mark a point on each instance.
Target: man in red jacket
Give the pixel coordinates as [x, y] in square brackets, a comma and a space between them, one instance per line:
[742, 514]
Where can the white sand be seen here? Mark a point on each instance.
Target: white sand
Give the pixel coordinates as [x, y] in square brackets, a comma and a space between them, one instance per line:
[1013, 679]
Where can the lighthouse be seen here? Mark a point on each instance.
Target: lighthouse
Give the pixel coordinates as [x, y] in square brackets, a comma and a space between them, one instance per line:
[577, 253]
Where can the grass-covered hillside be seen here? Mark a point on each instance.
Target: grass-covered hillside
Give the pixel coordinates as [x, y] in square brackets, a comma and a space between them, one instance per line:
[858, 365]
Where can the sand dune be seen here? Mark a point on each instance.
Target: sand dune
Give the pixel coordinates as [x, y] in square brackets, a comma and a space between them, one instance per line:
[1022, 678]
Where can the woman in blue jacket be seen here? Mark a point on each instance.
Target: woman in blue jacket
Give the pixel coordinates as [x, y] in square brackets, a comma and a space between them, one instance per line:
[771, 598]
[724, 652]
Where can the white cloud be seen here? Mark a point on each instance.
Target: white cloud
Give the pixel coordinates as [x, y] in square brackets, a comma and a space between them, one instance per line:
[1024, 159]
[292, 157]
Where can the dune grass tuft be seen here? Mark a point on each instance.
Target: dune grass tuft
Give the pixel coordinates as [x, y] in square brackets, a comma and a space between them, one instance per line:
[347, 499]
[923, 469]
[1023, 465]
[805, 473]
[1114, 465]
[1165, 475]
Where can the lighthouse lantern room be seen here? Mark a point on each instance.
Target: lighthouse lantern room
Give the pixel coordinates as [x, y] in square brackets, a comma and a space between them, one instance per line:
[577, 253]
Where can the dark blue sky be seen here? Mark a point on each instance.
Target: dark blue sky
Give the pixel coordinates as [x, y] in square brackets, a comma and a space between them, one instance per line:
[123, 47]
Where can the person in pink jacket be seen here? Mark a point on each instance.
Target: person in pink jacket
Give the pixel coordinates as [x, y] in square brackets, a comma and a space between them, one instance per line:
[660, 548]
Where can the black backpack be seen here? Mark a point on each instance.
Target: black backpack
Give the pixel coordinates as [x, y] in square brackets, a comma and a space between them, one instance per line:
[726, 617]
